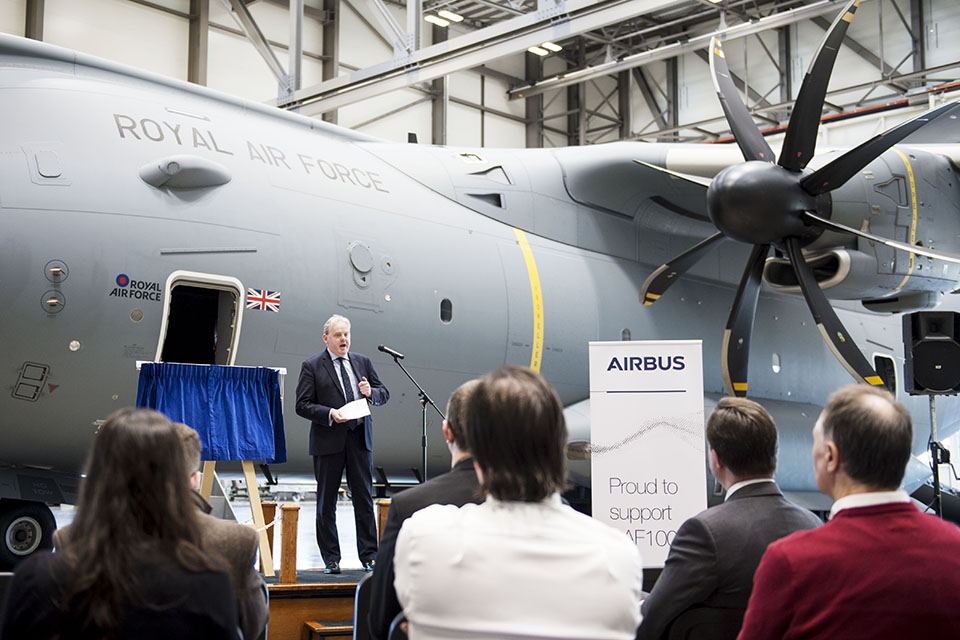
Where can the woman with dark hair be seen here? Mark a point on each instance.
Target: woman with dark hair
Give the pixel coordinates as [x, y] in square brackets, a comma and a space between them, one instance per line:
[133, 568]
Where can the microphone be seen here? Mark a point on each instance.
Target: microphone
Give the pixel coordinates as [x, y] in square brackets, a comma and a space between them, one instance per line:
[398, 356]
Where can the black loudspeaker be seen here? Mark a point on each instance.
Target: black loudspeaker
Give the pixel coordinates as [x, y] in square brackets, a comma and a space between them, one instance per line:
[931, 351]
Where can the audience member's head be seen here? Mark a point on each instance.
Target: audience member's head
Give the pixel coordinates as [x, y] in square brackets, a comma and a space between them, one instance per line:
[134, 506]
[190, 443]
[517, 435]
[457, 416]
[864, 438]
[743, 436]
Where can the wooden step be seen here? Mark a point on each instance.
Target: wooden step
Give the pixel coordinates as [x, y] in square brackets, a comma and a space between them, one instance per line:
[292, 607]
[333, 629]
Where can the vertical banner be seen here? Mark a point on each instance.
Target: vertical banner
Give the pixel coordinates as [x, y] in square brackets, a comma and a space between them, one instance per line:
[648, 463]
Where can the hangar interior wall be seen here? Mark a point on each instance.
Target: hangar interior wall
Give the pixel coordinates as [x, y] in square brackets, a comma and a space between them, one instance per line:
[155, 36]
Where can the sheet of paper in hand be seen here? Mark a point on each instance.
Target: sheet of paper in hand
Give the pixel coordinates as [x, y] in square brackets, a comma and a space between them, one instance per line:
[355, 410]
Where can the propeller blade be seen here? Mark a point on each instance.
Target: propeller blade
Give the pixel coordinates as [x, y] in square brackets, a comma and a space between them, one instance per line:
[661, 279]
[686, 177]
[745, 131]
[896, 244]
[839, 170]
[736, 338]
[800, 141]
[832, 330]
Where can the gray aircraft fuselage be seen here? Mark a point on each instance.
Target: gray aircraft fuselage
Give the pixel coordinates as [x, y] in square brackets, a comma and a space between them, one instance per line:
[423, 248]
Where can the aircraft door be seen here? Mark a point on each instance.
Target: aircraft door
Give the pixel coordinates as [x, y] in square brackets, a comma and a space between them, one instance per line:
[886, 368]
[201, 319]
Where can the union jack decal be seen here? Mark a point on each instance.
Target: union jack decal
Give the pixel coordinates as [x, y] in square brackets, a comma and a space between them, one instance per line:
[263, 300]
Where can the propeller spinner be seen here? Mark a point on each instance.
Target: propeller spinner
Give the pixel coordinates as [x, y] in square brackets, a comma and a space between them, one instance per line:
[763, 203]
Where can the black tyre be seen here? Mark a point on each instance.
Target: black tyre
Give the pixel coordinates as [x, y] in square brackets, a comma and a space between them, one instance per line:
[25, 528]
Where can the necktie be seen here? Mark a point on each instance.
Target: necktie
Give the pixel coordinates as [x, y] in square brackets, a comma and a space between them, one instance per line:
[347, 390]
[347, 387]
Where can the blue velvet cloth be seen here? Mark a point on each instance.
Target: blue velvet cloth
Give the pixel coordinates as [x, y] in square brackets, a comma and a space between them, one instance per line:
[236, 410]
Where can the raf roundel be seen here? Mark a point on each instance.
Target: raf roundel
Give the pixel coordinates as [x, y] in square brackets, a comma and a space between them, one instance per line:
[123, 280]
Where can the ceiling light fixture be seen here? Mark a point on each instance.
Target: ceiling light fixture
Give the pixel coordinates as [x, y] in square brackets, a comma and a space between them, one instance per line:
[552, 46]
[538, 50]
[450, 15]
[437, 20]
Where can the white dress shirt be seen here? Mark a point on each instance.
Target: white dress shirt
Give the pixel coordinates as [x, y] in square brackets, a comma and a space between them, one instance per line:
[350, 374]
[868, 499]
[512, 570]
[744, 483]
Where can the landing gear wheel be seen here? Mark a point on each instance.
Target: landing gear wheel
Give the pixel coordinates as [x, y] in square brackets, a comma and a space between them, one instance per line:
[25, 528]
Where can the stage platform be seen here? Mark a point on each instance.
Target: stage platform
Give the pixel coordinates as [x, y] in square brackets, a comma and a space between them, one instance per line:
[317, 606]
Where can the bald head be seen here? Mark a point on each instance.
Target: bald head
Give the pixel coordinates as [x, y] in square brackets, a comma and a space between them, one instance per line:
[873, 434]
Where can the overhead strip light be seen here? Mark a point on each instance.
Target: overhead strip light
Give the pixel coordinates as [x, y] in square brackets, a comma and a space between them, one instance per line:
[552, 46]
[450, 15]
[437, 20]
[538, 50]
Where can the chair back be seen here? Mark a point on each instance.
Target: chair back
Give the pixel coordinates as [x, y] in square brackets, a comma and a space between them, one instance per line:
[706, 623]
[396, 628]
[361, 609]
[266, 598]
[5, 578]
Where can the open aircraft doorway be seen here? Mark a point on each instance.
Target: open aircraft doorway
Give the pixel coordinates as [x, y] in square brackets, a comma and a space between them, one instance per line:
[886, 368]
[202, 314]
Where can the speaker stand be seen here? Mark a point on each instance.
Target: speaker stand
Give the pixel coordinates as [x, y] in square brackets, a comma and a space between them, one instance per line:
[935, 457]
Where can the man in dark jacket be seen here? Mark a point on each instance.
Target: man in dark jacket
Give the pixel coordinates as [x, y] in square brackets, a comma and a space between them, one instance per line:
[329, 381]
[459, 486]
[715, 553]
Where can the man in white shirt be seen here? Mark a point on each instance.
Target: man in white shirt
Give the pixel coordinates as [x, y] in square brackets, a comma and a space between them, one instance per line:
[715, 553]
[521, 564]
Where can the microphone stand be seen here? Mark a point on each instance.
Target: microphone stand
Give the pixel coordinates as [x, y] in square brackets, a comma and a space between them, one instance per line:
[424, 401]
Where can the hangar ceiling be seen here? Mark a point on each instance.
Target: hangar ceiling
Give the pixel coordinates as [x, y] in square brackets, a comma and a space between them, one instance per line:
[635, 42]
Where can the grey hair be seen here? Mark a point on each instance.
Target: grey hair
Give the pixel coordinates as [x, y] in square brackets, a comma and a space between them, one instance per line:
[335, 319]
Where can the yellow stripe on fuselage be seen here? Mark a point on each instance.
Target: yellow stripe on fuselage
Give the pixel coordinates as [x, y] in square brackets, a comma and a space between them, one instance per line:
[913, 223]
[536, 354]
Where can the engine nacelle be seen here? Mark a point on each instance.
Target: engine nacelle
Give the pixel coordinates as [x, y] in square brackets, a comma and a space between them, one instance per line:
[907, 194]
[847, 274]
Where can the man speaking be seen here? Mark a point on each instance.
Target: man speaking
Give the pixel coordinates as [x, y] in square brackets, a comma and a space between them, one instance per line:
[328, 381]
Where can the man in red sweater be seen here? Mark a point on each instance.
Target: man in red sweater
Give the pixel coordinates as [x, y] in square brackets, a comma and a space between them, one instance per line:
[879, 568]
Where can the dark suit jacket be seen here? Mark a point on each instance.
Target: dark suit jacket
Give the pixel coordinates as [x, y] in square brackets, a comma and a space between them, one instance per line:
[185, 605]
[459, 486]
[715, 553]
[318, 391]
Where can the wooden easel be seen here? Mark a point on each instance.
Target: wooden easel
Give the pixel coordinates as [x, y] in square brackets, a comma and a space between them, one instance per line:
[250, 478]
[253, 493]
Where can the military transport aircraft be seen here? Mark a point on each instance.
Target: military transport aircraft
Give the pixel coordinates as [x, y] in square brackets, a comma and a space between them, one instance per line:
[144, 218]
